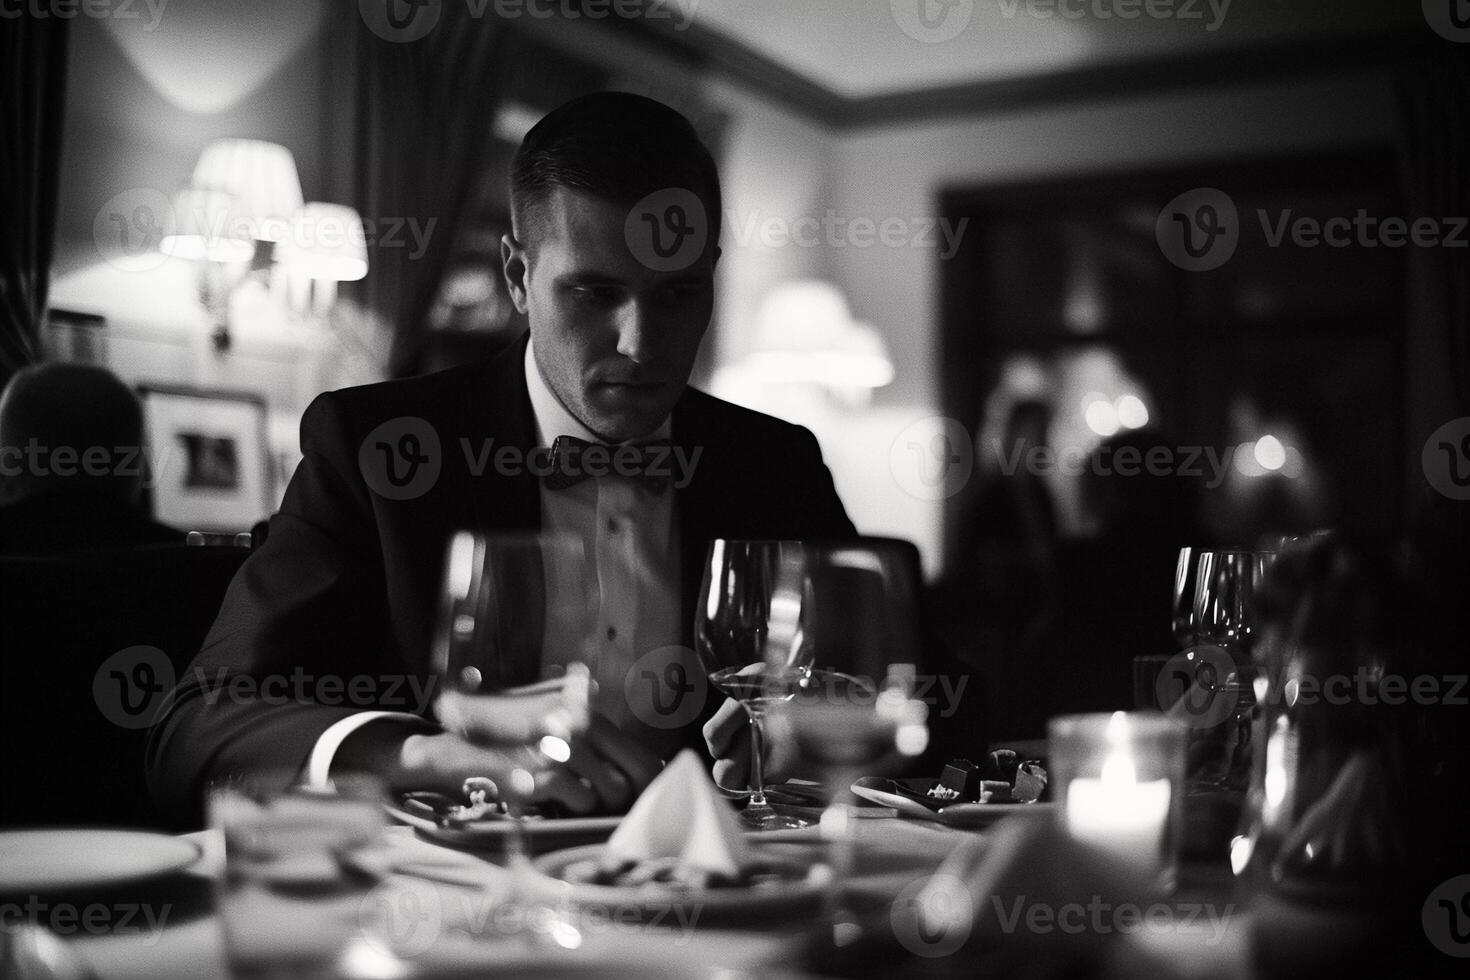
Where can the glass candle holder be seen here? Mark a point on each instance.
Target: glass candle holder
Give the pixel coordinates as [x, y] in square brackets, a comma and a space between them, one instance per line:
[292, 892]
[1120, 780]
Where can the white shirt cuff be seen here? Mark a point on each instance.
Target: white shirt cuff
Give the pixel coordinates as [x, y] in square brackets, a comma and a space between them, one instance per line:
[319, 766]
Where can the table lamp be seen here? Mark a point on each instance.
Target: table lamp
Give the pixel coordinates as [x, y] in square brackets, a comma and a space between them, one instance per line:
[807, 335]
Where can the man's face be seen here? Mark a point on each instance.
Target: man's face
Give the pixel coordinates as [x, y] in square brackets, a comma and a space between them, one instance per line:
[614, 340]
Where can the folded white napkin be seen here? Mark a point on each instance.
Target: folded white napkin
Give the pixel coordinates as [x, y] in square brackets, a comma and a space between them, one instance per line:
[681, 815]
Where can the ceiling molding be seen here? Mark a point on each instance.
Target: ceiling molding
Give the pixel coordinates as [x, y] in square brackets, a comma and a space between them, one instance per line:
[718, 52]
[1144, 77]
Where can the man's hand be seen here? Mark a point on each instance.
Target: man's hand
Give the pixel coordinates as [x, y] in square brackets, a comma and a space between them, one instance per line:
[605, 772]
[727, 734]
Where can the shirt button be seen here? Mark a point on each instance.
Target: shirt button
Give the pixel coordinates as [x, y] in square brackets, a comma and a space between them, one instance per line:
[612, 632]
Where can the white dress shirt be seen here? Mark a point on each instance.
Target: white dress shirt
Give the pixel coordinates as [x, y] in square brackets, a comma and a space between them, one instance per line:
[631, 536]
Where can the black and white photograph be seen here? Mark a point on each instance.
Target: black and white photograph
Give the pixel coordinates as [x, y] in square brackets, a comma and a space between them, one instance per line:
[734, 488]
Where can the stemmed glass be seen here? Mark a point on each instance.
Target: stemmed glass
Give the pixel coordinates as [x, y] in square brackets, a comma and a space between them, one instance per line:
[1224, 600]
[1224, 612]
[1183, 622]
[747, 631]
[854, 711]
[515, 626]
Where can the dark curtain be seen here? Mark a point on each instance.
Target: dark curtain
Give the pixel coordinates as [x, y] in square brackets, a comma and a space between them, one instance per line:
[1434, 104]
[33, 66]
[410, 124]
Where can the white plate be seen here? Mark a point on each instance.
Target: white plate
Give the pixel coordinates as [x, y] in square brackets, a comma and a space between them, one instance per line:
[61, 860]
[676, 907]
[871, 788]
[544, 834]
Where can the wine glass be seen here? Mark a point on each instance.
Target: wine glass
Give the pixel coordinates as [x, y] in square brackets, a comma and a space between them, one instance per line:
[1183, 621]
[853, 711]
[1224, 610]
[514, 633]
[747, 631]
[1224, 600]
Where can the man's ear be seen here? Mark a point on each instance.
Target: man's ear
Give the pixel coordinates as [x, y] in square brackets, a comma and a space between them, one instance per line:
[513, 263]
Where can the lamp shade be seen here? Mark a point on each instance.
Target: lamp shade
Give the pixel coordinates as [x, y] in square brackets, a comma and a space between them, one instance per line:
[325, 241]
[807, 334]
[206, 225]
[260, 176]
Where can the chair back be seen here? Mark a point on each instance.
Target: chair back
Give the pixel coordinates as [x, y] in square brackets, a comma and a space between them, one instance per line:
[89, 646]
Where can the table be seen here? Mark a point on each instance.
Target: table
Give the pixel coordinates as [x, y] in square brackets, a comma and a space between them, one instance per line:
[898, 855]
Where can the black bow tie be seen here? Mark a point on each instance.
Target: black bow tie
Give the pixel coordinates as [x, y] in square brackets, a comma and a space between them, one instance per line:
[574, 460]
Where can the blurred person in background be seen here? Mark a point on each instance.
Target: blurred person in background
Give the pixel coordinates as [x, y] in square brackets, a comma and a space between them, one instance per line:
[1109, 599]
[72, 464]
[990, 600]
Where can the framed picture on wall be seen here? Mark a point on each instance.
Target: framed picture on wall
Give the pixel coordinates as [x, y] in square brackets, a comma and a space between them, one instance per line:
[208, 456]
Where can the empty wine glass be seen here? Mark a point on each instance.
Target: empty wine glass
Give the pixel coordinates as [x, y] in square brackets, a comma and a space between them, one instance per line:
[516, 620]
[853, 711]
[1224, 600]
[1224, 610]
[747, 632]
[1183, 621]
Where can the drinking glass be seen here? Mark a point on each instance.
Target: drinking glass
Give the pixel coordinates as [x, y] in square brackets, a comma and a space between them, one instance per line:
[747, 631]
[1182, 620]
[854, 712]
[291, 888]
[1224, 600]
[1221, 705]
[515, 631]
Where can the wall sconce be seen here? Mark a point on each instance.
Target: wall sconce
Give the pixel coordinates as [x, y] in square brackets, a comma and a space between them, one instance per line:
[806, 335]
[238, 204]
[260, 176]
[325, 244]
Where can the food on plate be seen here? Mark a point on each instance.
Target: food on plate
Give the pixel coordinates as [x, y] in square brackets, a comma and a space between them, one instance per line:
[960, 780]
[669, 872]
[1003, 779]
[1030, 783]
[481, 802]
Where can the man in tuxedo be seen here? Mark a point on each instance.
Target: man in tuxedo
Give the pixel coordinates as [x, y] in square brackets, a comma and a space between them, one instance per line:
[320, 658]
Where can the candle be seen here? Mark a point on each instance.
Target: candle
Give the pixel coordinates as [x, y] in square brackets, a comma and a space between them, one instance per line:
[1118, 777]
[1120, 814]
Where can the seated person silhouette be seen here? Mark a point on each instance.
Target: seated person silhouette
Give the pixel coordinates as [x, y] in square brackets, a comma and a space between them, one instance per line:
[1111, 591]
[71, 464]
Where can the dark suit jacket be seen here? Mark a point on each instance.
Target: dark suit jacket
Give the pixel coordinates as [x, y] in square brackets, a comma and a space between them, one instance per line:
[345, 585]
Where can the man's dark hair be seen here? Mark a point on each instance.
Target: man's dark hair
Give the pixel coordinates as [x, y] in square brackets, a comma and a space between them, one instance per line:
[612, 145]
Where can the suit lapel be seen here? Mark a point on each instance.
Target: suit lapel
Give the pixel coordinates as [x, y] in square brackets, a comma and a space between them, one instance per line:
[693, 504]
[499, 409]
